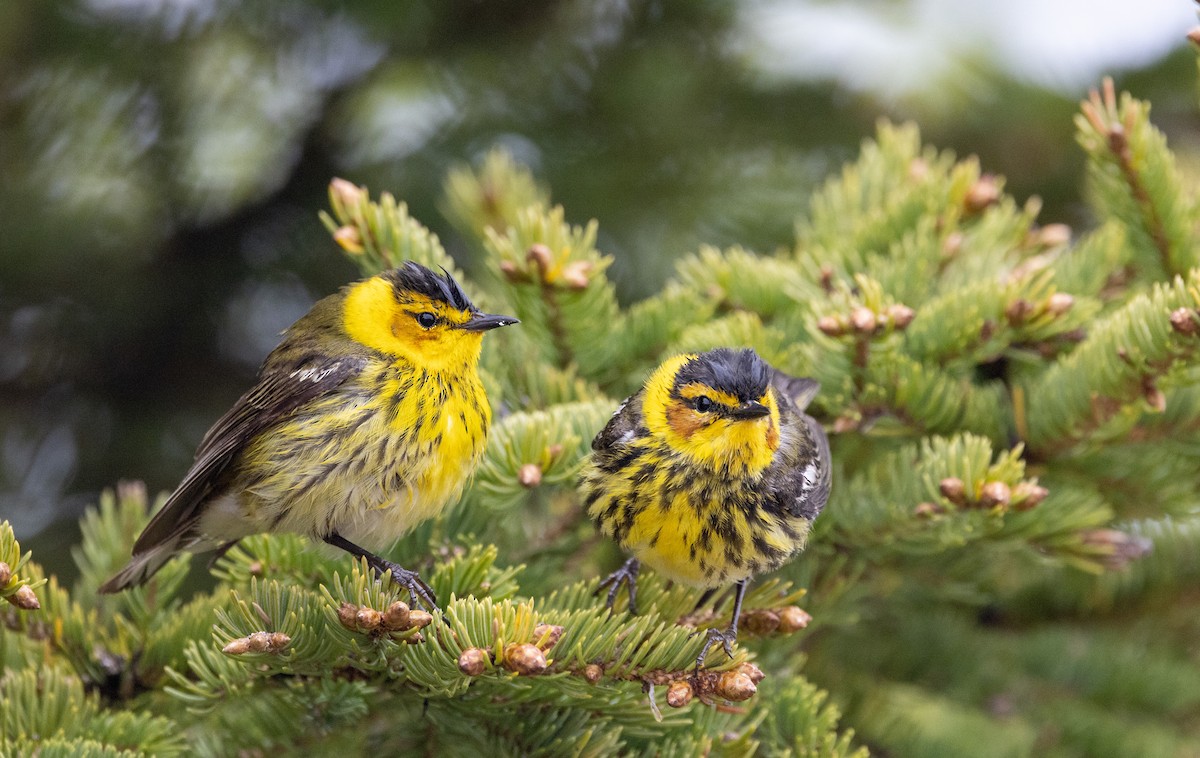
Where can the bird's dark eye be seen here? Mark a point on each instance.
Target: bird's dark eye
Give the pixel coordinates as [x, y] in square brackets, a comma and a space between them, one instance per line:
[426, 319]
[704, 404]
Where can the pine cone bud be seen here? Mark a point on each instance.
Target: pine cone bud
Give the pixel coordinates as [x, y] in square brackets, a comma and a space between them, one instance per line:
[995, 495]
[349, 238]
[368, 618]
[524, 659]
[1059, 303]
[1027, 495]
[529, 475]
[735, 685]
[419, 619]
[416, 638]
[547, 636]
[5, 573]
[346, 193]
[928, 510]
[577, 275]
[831, 325]
[258, 642]
[1018, 311]
[542, 257]
[473, 661]
[25, 598]
[348, 615]
[953, 489]
[793, 618]
[255, 568]
[1120, 548]
[237, 647]
[900, 316]
[397, 617]
[863, 319]
[593, 672]
[679, 693]
[1184, 321]
[983, 193]
[761, 621]
[754, 672]
[1194, 35]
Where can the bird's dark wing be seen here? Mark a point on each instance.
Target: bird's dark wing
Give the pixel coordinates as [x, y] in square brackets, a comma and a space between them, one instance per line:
[800, 390]
[623, 426]
[283, 385]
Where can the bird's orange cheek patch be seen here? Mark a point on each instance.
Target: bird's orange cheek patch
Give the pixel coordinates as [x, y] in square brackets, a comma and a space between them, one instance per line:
[773, 436]
[683, 420]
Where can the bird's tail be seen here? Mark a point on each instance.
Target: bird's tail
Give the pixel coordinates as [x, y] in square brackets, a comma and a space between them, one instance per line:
[142, 567]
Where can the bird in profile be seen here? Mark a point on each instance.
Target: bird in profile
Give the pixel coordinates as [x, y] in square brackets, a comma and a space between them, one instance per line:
[711, 474]
[366, 420]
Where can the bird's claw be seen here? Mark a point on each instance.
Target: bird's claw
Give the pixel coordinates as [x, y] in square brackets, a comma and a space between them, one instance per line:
[627, 574]
[712, 636]
[421, 592]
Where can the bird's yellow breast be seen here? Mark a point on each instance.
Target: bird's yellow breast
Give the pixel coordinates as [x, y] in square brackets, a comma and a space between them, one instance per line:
[369, 461]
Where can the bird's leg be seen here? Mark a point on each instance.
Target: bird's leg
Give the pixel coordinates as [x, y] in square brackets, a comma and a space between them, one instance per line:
[420, 591]
[728, 636]
[627, 574]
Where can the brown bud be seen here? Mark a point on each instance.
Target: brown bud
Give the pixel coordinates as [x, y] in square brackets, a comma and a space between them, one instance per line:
[761, 621]
[1054, 235]
[754, 672]
[25, 598]
[279, 641]
[1184, 321]
[255, 568]
[542, 257]
[679, 693]
[368, 618]
[843, 424]
[529, 475]
[237, 647]
[1154, 398]
[5, 573]
[952, 244]
[953, 489]
[524, 659]
[735, 685]
[347, 194]
[984, 192]
[396, 618]
[554, 450]
[1027, 495]
[831, 325]
[547, 636]
[1059, 303]
[900, 316]
[792, 619]
[826, 276]
[348, 615]
[418, 619]
[928, 510]
[511, 272]
[577, 275]
[863, 319]
[1018, 311]
[593, 672]
[349, 238]
[473, 661]
[1194, 35]
[416, 638]
[259, 642]
[994, 494]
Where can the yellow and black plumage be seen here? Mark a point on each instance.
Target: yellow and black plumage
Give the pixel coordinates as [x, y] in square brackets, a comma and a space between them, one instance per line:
[366, 420]
[710, 474]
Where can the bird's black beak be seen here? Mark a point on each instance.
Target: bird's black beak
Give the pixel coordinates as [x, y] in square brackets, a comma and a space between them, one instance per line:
[482, 322]
[750, 410]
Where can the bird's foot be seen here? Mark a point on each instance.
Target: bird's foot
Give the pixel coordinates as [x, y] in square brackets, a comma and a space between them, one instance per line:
[725, 636]
[421, 593]
[627, 574]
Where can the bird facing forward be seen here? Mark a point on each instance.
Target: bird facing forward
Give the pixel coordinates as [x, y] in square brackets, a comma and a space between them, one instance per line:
[366, 420]
[710, 474]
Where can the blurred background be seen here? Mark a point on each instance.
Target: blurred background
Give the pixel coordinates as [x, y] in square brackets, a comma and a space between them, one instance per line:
[162, 163]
